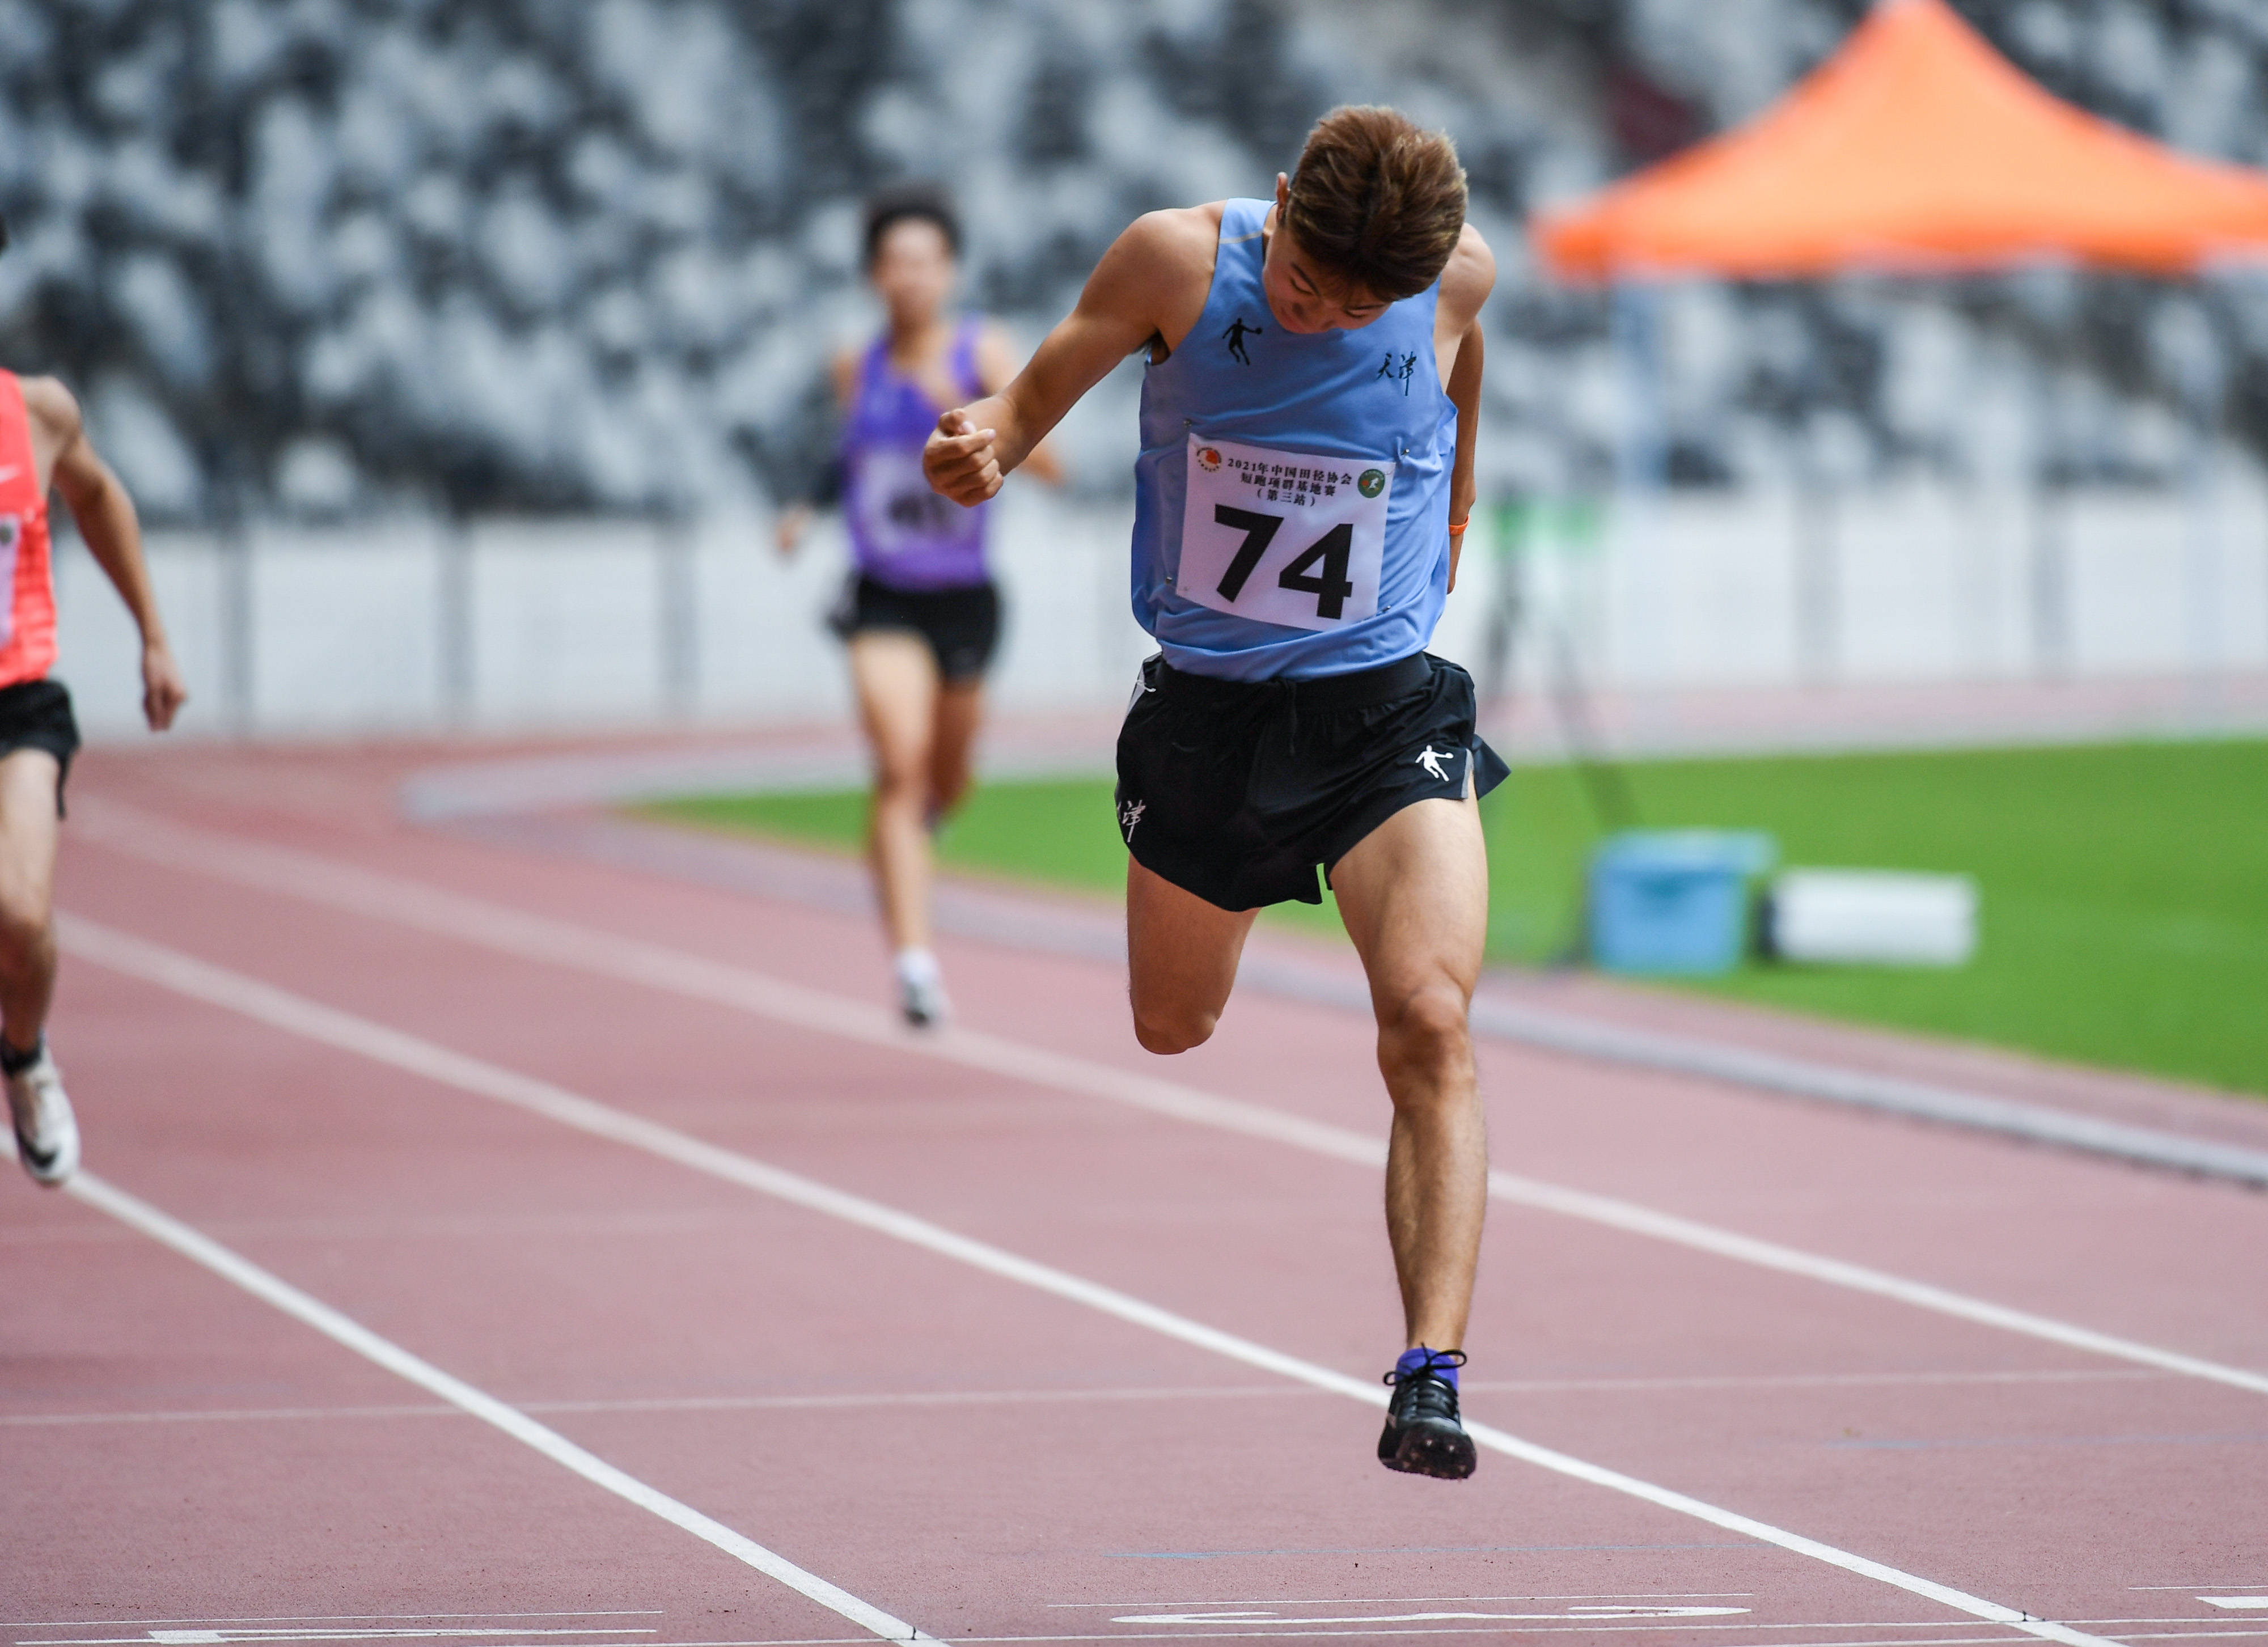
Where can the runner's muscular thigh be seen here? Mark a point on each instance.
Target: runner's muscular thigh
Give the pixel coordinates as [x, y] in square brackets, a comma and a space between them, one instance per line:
[28, 780]
[1414, 895]
[1182, 953]
[897, 689]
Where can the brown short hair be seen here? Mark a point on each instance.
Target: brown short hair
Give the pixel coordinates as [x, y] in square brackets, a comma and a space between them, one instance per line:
[1377, 202]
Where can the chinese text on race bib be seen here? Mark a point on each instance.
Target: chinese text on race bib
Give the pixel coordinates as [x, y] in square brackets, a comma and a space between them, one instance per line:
[898, 511]
[1283, 537]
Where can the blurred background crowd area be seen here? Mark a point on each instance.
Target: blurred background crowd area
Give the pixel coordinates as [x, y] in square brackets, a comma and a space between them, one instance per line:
[459, 352]
[320, 260]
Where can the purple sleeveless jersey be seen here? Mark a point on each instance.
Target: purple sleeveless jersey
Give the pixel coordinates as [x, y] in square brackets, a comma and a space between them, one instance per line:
[902, 533]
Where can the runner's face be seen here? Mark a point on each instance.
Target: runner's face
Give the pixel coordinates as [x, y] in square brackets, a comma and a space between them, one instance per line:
[913, 272]
[1304, 298]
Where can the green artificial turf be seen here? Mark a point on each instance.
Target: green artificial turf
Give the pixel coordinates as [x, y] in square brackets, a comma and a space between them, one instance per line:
[2125, 906]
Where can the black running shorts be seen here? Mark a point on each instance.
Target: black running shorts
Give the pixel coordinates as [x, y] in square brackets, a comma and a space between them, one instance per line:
[37, 715]
[1236, 790]
[962, 625]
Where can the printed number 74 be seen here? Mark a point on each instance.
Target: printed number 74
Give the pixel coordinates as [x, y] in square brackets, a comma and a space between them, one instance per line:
[1330, 587]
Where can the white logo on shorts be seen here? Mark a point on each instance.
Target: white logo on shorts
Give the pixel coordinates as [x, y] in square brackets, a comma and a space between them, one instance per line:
[1128, 815]
[1431, 760]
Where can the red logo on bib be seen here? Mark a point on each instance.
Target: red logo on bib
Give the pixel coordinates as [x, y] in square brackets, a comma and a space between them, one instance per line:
[1208, 459]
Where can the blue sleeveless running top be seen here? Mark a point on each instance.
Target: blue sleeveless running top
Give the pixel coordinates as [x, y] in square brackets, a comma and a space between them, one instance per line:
[901, 532]
[1290, 514]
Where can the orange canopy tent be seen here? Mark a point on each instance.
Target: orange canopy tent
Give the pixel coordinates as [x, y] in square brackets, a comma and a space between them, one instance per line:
[1917, 146]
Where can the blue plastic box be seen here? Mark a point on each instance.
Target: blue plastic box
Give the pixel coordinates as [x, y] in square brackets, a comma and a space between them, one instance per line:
[1674, 900]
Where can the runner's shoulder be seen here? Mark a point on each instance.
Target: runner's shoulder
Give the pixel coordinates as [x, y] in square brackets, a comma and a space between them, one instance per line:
[1179, 241]
[53, 407]
[843, 372]
[1470, 277]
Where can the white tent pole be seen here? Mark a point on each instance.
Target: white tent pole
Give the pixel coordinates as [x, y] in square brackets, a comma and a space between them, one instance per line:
[2049, 572]
[1818, 583]
[1644, 461]
[2204, 387]
[1642, 471]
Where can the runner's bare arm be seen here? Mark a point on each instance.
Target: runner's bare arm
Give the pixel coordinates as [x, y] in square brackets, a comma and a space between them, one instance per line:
[1465, 287]
[996, 369]
[98, 502]
[795, 519]
[1149, 287]
[1465, 395]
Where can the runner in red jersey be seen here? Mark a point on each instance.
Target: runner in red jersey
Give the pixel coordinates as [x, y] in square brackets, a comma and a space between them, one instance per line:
[43, 444]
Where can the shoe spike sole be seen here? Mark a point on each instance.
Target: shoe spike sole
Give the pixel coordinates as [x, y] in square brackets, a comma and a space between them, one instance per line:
[1448, 1458]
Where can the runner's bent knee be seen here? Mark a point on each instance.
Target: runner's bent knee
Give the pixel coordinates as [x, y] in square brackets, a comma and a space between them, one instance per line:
[26, 894]
[1174, 1030]
[948, 776]
[26, 927]
[902, 774]
[1173, 1015]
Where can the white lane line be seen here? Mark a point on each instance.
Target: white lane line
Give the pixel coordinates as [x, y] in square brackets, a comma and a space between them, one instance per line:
[203, 1637]
[1425, 1600]
[1813, 1381]
[344, 1330]
[2260, 1602]
[675, 1404]
[510, 932]
[382, 1044]
[1025, 1398]
[217, 1415]
[1264, 1616]
[321, 1618]
[1263, 1632]
[1129, 1636]
[1389, 1601]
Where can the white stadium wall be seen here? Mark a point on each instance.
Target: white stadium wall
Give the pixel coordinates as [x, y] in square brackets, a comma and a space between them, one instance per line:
[524, 625]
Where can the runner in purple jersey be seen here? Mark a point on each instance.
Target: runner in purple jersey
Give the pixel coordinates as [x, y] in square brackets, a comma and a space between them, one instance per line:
[920, 613]
[903, 536]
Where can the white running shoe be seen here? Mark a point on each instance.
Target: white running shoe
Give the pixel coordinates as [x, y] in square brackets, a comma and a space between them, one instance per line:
[921, 988]
[924, 1002]
[47, 1132]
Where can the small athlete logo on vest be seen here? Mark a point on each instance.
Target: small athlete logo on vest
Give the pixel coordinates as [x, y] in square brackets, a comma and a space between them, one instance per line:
[1238, 331]
[1128, 815]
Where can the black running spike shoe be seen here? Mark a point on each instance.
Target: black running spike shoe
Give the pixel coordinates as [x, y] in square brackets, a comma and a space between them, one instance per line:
[1424, 1435]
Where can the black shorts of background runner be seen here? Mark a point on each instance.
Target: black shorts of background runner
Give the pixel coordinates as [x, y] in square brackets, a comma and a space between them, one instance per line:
[37, 715]
[1237, 789]
[962, 626]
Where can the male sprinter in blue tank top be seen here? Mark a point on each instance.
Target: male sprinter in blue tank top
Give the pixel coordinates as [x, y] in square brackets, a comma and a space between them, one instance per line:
[1307, 467]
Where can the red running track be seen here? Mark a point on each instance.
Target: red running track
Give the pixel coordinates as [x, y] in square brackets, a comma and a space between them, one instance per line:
[961, 1329]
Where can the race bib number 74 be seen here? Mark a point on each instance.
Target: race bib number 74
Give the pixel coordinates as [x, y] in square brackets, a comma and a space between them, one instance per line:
[1283, 537]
